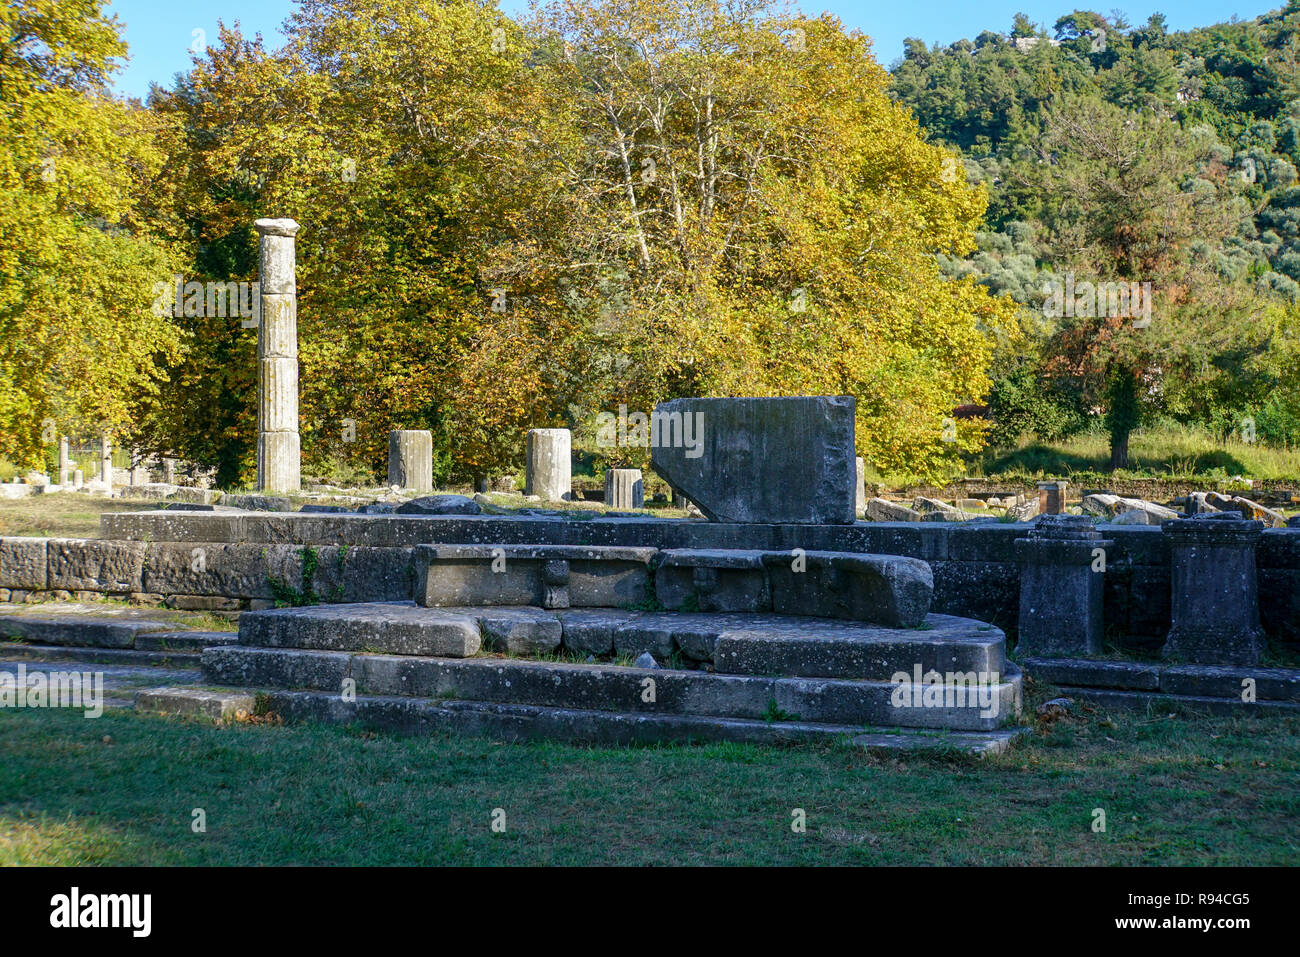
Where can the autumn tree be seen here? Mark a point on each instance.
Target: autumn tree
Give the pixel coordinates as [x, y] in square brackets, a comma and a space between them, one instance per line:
[758, 217]
[83, 213]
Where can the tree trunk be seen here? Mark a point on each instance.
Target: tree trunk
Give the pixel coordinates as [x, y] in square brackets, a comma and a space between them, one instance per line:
[1123, 415]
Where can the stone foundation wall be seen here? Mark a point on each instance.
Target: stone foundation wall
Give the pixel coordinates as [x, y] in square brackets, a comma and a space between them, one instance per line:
[252, 559]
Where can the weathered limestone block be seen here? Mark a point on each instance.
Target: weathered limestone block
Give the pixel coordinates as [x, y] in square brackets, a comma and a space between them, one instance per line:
[931, 509]
[713, 580]
[1062, 588]
[811, 649]
[96, 565]
[1051, 497]
[410, 459]
[398, 628]
[624, 488]
[552, 576]
[860, 487]
[549, 465]
[226, 570]
[363, 574]
[883, 510]
[518, 631]
[440, 505]
[1214, 591]
[760, 460]
[887, 590]
[24, 563]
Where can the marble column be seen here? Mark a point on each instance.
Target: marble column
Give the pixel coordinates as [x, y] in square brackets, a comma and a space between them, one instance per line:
[549, 467]
[278, 449]
[410, 459]
[624, 488]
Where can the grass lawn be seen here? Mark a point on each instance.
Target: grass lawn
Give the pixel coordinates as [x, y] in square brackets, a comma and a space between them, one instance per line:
[1169, 452]
[62, 515]
[122, 790]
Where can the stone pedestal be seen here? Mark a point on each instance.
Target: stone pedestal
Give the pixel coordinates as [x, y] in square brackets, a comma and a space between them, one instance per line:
[278, 450]
[624, 488]
[410, 459]
[860, 487]
[106, 460]
[1061, 587]
[1214, 594]
[1051, 497]
[65, 462]
[549, 468]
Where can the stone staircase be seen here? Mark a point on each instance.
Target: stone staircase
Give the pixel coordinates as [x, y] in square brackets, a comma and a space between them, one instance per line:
[552, 641]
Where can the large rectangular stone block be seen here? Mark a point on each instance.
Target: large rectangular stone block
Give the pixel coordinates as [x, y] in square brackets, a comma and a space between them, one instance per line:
[222, 569]
[88, 565]
[763, 460]
[24, 563]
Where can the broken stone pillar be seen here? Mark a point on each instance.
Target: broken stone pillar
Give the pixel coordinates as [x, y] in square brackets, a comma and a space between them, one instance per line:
[1051, 497]
[169, 471]
[1062, 563]
[78, 478]
[860, 487]
[624, 488]
[65, 463]
[278, 449]
[410, 459]
[1214, 593]
[549, 467]
[106, 460]
[759, 460]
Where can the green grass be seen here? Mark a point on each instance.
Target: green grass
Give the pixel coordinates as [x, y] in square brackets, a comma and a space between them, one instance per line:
[62, 515]
[122, 789]
[1167, 452]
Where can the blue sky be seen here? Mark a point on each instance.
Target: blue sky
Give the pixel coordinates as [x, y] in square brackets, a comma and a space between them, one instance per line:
[160, 32]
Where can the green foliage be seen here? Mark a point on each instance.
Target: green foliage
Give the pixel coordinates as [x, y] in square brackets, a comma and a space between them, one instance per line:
[83, 216]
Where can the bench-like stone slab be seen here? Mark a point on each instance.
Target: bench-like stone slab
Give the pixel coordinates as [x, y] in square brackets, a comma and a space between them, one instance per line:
[888, 590]
[393, 627]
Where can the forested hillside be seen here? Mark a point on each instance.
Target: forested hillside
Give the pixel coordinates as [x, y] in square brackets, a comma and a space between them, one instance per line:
[1115, 152]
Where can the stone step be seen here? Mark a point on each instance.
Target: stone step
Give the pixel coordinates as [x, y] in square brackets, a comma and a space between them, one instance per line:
[735, 642]
[16, 651]
[1148, 700]
[1211, 681]
[531, 722]
[78, 630]
[608, 687]
[808, 647]
[402, 628]
[183, 641]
